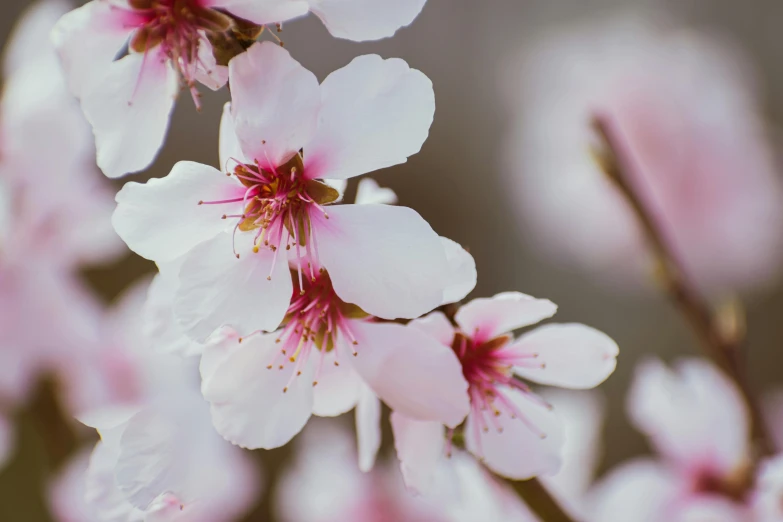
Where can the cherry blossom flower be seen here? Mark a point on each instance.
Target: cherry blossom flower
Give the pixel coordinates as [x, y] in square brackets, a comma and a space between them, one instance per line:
[698, 424]
[703, 164]
[513, 431]
[349, 358]
[128, 100]
[237, 231]
[309, 491]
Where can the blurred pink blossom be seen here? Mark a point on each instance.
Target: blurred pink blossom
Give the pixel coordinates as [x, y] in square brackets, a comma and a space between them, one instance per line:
[699, 426]
[324, 485]
[690, 114]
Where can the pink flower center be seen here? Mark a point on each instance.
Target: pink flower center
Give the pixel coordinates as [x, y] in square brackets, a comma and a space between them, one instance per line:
[317, 320]
[278, 205]
[177, 28]
[488, 368]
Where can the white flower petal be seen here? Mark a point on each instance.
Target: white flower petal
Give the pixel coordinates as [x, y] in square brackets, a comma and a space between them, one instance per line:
[162, 219]
[338, 389]
[410, 371]
[462, 273]
[437, 326]
[368, 192]
[159, 324]
[264, 11]
[420, 446]
[567, 355]
[208, 72]
[129, 110]
[88, 39]
[274, 103]
[363, 20]
[230, 151]
[485, 318]
[368, 428]
[249, 407]
[375, 113]
[385, 259]
[217, 289]
[102, 495]
[517, 448]
[693, 415]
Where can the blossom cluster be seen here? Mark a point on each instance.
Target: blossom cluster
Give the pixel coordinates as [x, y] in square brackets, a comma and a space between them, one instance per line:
[278, 298]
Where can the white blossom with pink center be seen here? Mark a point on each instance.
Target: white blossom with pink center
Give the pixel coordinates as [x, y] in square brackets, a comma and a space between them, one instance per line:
[128, 100]
[698, 424]
[703, 165]
[510, 428]
[236, 232]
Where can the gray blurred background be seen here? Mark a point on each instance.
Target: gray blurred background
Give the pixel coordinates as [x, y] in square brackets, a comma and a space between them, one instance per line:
[455, 182]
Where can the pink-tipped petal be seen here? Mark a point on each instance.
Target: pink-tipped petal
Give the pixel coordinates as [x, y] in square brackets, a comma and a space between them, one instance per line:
[88, 39]
[694, 415]
[375, 113]
[437, 326]
[385, 259]
[275, 103]
[420, 447]
[363, 20]
[566, 355]
[519, 447]
[129, 110]
[487, 317]
[217, 289]
[248, 404]
[368, 428]
[162, 219]
[462, 272]
[410, 371]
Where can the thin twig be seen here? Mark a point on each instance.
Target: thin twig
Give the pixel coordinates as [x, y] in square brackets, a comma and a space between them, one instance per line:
[725, 350]
[541, 501]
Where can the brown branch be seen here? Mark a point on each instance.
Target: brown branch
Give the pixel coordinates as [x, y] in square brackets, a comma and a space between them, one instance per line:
[541, 501]
[725, 348]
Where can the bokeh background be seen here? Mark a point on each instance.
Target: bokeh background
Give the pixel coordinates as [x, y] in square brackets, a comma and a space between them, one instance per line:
[457, 184]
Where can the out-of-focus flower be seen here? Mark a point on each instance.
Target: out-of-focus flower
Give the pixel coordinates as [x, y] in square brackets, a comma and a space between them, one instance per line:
[159, 458]
[688, 112]
[237, 232]
[55, 206]
[129, 100]
[309, 491]
[768, 495]
[54, 215]
[511, 429]
[697, 422]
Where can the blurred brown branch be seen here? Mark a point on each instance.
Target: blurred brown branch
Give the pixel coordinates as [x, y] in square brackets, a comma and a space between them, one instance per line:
[541, 501]
[723, 344]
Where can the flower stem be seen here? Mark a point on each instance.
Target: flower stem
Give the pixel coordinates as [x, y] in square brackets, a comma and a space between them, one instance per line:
[541, 501]
[723, 347]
